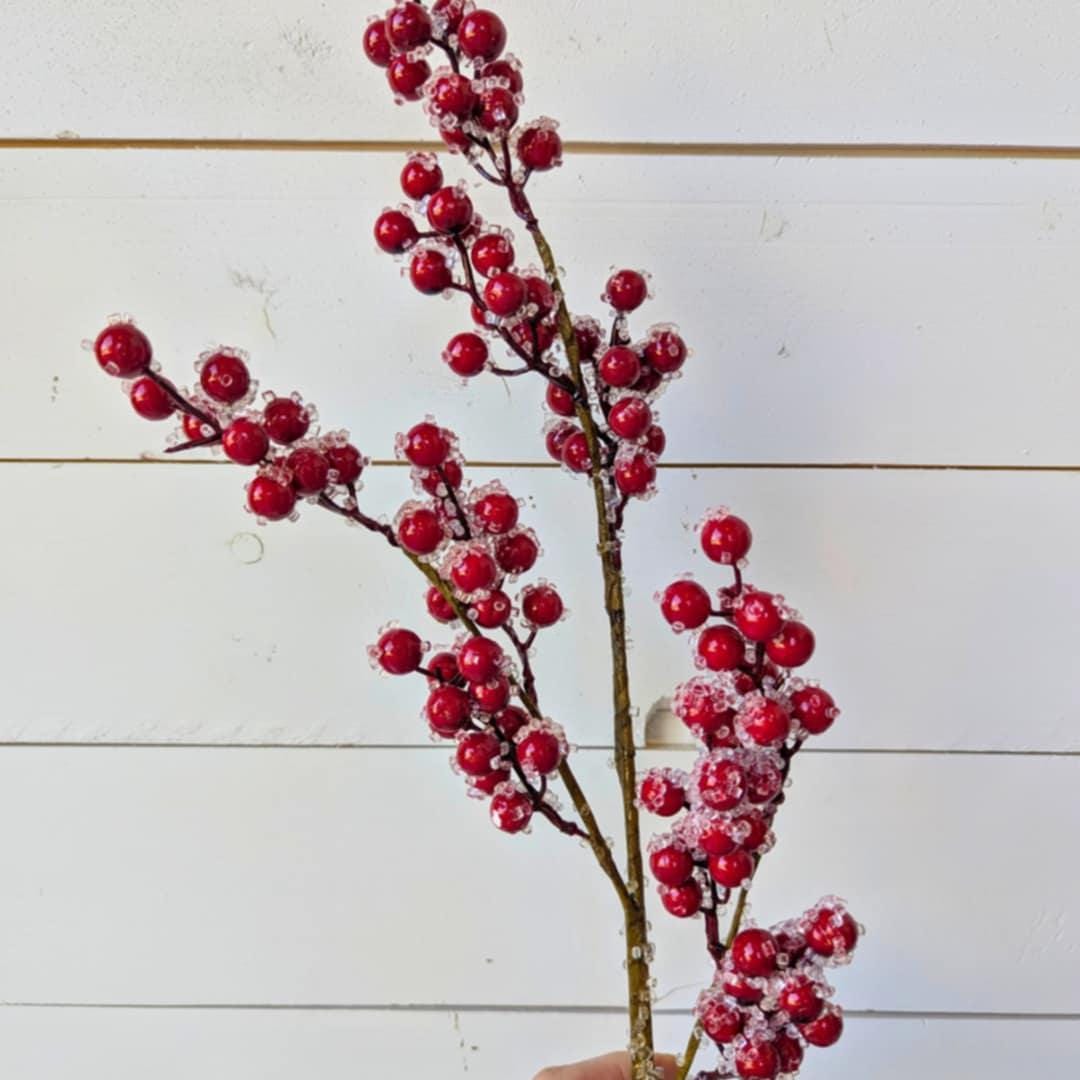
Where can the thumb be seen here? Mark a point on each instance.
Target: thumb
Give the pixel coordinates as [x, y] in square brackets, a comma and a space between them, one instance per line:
[609, 1067]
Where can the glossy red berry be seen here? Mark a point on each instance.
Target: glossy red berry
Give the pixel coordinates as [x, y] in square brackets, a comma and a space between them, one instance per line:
[516, 553]
[825, 1030]
[758, 616]
[722, 783]
[627, 290]
[715, 836]
[496, 110]
[757, 1059]
[466, 355]
[790, 1052]
[457, 142]
[449, 13]
[541, 605]
[539, 752]
[285, 421]
[421, 176]
[744, 990]
[443, 668]
[448, 710]
[753, 953]
[224, 377]
[560, 401]
[764, 721]
[508, 69]
[452, 95]
[407, 75]
[832, 932]
[271, 499]
[801, 999]
[721, 648]
[489, 782]
[671, 865]
[725, 538]
[450, 211]
[194, 428]
[496, 512]
[420, 531]
[346, 463]
[661, 795]
[814, 708]
[619, 366]
[491, 609]
[481, 35]
[764, 781]
[504, 294]
[123, 350]
[399, 651]
[395, 232]
[510, 720]
[682, 901]
[511, 811]
[377, 44]
[792, 646]
[540, 148]
[477, 752]
[310, 471]
[426, 445]
[480, 659]
[555, 438]
[630, 418]
[473, 569]
[665, 351]
[721, 1022]
[491, 254]
[685, 604]
[245, 442]
[753, 826]
[575, 452]
[655, 440]
[491, 696]
[408, 26]
[436, 481]
[150, 400]
[439, 608]
[430, 272]
[733, 869]
[635, 474]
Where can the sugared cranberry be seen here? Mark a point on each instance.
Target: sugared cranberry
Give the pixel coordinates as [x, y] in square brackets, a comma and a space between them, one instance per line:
[517, 553]
[665, 351]
[346, 463]
[430, 272]
[792, 646]
[758, 616]
[473, 569]
[285, 420]
[426, 445]
[635, 474]
[443, 667]
[655, 440]
[450, 211]
[630, 417]
[832, 932]
[753, 952]
[491, 696]
[491, 609]
[752, 825]
[448, 710]
[492, 254]
[395, 232]
[539, 752]
[449, 12]
[560, 401]
[647, 381]
[721, 648]
[757, 1059]
[539, 295]
[377, 44]
[420, 531]
[436, 481]
[466, 355]
[399, 651]
[685, 604]
[825, 1030]
[627, 290]
[508, 69]
[801, 999]
[504, 294]
[540, 148]
[721, 1022]
[575, 452]
[725, 538]
[790, 1052]
[452, 95]
[733, 869]
[764, 721]
[481, 35]
[496, 110]
[421, 176]
[149, 400]
[814, 709]
[510, 720]
[195, 428]
[682, 901]
[702, 712]
[511, 811]
[225, 378]
[722, 783]
[588, 336]
[407, 75]
[496, 512]
[556, 436]
[476, 752]
[661, 795]
[408, 25]
[671, 865]
[541, 605]
[743, 989]
[310, 471]
[456, 140]
[619, 366]
[271, 499]
[479, 659]
[439, 608]
[489, 782]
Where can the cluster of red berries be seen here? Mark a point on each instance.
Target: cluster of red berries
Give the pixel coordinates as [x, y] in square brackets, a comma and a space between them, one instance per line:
[277, 436]
[770, 997]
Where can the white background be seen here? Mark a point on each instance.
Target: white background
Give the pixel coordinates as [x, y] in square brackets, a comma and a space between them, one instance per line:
[228, 849]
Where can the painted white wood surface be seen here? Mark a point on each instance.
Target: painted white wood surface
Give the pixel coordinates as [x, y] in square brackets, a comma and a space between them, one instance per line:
[884, 311]
[142, 603]
[899, 70]
[365, 877]
[129, 1044]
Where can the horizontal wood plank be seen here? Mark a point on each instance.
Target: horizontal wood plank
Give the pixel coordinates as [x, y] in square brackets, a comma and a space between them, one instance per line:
[841, 311]
[913, 72]
[367, 878]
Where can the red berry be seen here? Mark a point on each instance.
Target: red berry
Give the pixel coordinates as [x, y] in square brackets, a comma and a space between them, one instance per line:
[575, 452]
[758, 616]
[479, 659]
[194, 428]
[764, 721]
[245, 442]
[395, 232]
[731, 870]
[456, 140]
[701, 710]
[491, 609]
[721, 1022]
[560, 401]
[814, 708]
[420, 531]
[510, 721]
[504, 294]
[450, 211]
[448, 710]
[752, 826]
[825, 1030]
[490, 696]
[269, 498]
[832, 932]
[655, 440]
[792, 646]
[436, 481]
[671, 865]
[430, 272]
[517, 553]
[682, 901]
[764, 781]
[757, 1059]
[541, 605]
[685, 604]
[619, 366]
[473, 569]
[507, 69]
[421, 176]
[285, 421]
[539, 752]
[800, 998]
[790, 1052]
[721, 648]
[449, 12]
[377, 44]
[123, 350]
[630, 417]
[399, 651]
[725, 538]
[635, 474]
[661, 795]
[588, 335]
[310, 471]
[476, 752]
[346, 462]
[408, 25]
[540, 148]
[407, 75]
[511, 811]
[466, 355]
[753, 953]
[539, 295]
[481, 35]
[491, 254]
[439, 608]
[426, 445]
[627, 290]
[225, 378]
[490, 781]
[744, 990]
[150, 400]
[555, 438]
[443, 667]
[715, 837]
[722, 783]
[496, 512]
[665, 351]
[496, 110]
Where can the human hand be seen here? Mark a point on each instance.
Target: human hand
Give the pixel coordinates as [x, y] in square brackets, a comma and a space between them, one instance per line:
[609, 1067]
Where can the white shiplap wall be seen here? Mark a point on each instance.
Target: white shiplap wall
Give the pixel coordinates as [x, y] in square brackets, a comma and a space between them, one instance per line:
[207, 790]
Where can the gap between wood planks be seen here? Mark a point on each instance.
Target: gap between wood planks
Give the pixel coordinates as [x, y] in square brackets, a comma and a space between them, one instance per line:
[660, 149]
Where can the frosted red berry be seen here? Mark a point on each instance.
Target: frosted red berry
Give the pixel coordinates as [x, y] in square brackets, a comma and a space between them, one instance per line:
[408, 25]
[450, 211]
[661, 795]
[491, 696]
[541, 605]
[195, 428]
[725, 538]
[539, 752]
[426, 445]
[224, 377]
[655, 440]
[511, 811]
[619, 366]
[508, 69]
[792, 646]
[436, 481]
[790, 1052]
[665, 351]
[150, 400]
[491, 609]
[832, 932]
[477, 751]
[473, 569]
[721, 783]
[489, 782]
[715, 837]
[757, 1059]
[733, 869]
[685, 604]
[399, 651]
[346, 463]
[481, 35]
[376, 43]
[754, 953]
[439, 608]
[671, 865]
[540, 148]
[753, 827]
[555, 438]
[443, 668]
[510, 720]
[801, 999]
[575, 452]
[744, 990]
[421, 176]
[451, 95]
[516, 553]
[630, 418]
[764, 721]
[496, 110]
[504, 294]
[764, 781]
[123, 350]
[758, 616]
[466, 355]
[491, 254]
[448, 710]
[721, 1022]
[449, 12]
[559, 401]
[407, 75]
[496, 512]
[271, 499]
[627, 290]
[825, 1030]
[429, 271]
[721, 648]
[682, 901]
[395, 232]
[420, 531]
[245, 442]
[310, 471]
[285, 421]
[814, 708]
[479, 659]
